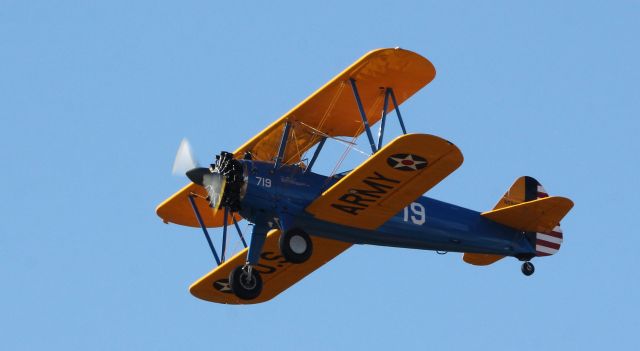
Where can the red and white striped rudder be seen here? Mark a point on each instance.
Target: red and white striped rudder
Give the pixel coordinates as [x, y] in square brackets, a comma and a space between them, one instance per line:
[547, 243]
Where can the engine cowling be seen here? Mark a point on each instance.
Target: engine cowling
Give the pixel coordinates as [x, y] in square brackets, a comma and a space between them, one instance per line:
[233, 173]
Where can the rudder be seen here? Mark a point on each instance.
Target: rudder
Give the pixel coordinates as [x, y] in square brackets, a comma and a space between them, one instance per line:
[523, 189]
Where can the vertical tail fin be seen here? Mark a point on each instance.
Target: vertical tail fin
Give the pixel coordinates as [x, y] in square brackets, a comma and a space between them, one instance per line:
[523, 189]
[526, 189]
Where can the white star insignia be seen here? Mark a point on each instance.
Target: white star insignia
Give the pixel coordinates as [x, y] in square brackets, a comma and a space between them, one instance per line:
[408, 161]
[223, 286]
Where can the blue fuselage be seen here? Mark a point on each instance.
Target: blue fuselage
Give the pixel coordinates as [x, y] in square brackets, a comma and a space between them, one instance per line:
[282, 195]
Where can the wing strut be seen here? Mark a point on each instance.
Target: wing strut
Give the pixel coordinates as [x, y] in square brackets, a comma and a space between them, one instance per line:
[219, 259]
[389, 93]
[395, 104]
[204, 229]
[363, 115]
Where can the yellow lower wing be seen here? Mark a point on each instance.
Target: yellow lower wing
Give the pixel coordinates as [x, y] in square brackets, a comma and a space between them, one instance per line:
[388, 181]
[277, 274]
[177, 209]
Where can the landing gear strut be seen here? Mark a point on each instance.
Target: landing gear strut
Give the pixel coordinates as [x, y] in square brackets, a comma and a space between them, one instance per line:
[245, 282]
[528, 268]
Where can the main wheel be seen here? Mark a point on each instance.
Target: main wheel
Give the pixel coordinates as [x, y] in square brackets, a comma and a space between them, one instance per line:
[244, 285]
[528, 268]
[295, 246]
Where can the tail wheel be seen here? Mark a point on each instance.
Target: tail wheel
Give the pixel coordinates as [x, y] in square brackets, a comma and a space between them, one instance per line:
[245, 282]
[296, 246]
[528, 268]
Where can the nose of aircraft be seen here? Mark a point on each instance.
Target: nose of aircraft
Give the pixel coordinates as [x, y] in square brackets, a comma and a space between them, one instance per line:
[196, 175]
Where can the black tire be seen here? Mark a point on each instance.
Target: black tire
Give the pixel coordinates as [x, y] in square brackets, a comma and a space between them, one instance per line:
[528, 268]
[243, 286]
[296, 246]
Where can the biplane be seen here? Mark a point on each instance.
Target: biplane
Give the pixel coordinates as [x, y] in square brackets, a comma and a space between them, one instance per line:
[301, 219]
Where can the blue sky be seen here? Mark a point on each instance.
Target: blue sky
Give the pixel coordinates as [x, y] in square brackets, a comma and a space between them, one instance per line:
[96, 96]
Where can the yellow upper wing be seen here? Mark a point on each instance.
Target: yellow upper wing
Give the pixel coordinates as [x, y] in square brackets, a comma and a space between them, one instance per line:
[331, 110]
[388, 181]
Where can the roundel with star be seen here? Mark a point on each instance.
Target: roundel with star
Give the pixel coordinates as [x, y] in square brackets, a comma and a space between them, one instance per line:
[223, 286]
[406, 162]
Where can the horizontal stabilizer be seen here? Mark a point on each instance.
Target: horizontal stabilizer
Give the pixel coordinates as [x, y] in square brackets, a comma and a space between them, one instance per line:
[541, 215]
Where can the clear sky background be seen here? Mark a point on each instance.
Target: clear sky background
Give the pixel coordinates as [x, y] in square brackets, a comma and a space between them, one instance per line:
[96, 96]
